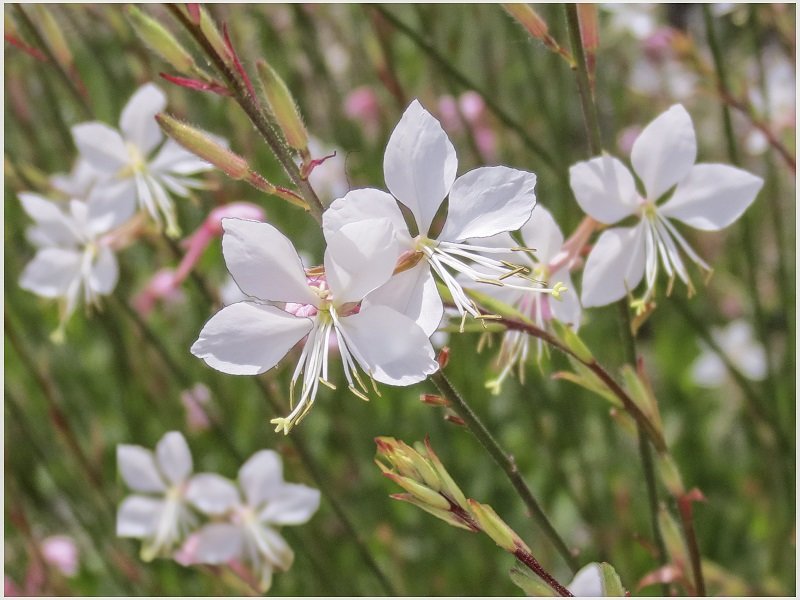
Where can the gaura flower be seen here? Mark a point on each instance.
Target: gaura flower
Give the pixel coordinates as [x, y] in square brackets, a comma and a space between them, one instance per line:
[744, 351]
[250, 337]
[550, 261]
[74, 250]
[77, 183]
[248, 532]
[420, 170]
[708, 197]
[126, 162]
[158, 513]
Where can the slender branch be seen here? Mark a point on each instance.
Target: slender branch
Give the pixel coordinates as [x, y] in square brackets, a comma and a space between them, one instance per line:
[685, 509]
[255, 113]
[582, 75]
[463, 80]
[530, 561]
[505, 461]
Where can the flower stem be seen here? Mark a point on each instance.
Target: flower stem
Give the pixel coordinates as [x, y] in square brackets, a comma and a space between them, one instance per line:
[505, 461]
[255, 113]
[530, 561]
[582, 75]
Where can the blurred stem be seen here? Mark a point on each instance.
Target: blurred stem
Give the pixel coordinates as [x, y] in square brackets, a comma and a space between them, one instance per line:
[467, 84]
[255, 113]
[302, 450]
[44, 46]
[506, 462]
[582, 75]
[748, 233]
[626, 336]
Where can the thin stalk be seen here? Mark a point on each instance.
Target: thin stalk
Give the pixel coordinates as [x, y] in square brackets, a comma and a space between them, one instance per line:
[44, 46]
[530, 561]
[506, 462]
[444, 64]
[589, 108]
[255, 113]
[685, 508]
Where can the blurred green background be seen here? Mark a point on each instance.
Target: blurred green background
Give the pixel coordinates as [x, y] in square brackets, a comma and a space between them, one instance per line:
[109, 384]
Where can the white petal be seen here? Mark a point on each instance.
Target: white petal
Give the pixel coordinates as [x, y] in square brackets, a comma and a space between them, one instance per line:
[487, 201]
[568, 309]
[419, 164]
[105, 271]
[137, 467]
[708, 370]
[138, 516]
[51, 272]
[360, 257]
[138, 123]
[604, 189]
[261, 477]
[264, 262]
[414, 294]
[111, 203]
[665, 151]
[53, 224]
[101, 146]
[217, 543]
[174, 457]
[212, 494]
[615, 265]
[247, 338]
[362, 204]
[712, 196]
[543, 234]
[587, 582]
[389, 345]
[294, 504]
[174, 158]
[275, 548]
[78, 182]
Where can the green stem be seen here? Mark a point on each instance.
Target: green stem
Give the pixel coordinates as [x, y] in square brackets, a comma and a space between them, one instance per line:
[505, 462]
[463, 80]
[582, 75]
[255, 113]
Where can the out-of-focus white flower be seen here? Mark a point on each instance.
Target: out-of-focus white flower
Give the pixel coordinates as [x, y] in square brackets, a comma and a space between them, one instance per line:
[61, 552]
[779, 102]
[658, 70]
[249, 530]
[127, 165]
[420, 169]
[157, 513]
[549, 262]
[637, 19]
[74, 249]
[77, 183]
[708, 197]
[250, 337]
[738, 343]
[588, 582]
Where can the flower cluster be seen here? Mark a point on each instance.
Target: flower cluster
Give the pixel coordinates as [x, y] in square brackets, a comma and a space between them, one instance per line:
[168, 502]
[376, 295]
[89, 212]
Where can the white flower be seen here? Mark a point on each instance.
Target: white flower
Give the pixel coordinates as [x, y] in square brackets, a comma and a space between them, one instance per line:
[740, 346]
[548, 262]
[77, 183]
[588, 582]
[249, 533]
[124, 159]
[420, 171]
[161, 517]
[705, 196]
[74, 249]
[250, 337]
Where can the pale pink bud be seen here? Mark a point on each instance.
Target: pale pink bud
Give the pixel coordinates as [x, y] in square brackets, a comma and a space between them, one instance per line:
[658, 45]
[234, 210]
[626, 138]
[60, 551]
[486, 141]
[194, 400]
[164, 285]
[448, 111]
[472, 106]
[186, 554]
[362, 105]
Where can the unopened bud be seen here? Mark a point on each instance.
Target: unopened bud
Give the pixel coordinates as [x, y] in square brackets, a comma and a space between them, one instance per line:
[212, 34]
[54, 36]
[433, 400]
[420, 492]
[447, 484]
[201, 144]
[283, 107]
[455, 420]
[161, 41]
[493, 526]
[670, 475]
[457, 520]
[443, 357]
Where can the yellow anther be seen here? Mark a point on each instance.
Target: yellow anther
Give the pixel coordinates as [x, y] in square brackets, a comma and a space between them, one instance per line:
[358, 394]
[558, 289]
[327, 383]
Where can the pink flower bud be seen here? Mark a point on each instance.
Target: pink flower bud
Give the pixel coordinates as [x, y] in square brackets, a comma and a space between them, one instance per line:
[448, 111]
[164, 285]
[61, 552]
[472, 106]
[362, 105]
[658, 45]
[234, 210]
[194, 400]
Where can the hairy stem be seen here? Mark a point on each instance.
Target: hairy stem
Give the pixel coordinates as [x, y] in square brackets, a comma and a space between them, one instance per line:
[505, 462]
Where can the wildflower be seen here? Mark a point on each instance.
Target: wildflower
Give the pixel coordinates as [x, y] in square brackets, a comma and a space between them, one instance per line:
[420, 170]
[61, 552]
[248, 532]
[126, 161]
[708, 197]
[78, 183]
[250, 337]
[157, 513]
[740, 346]
[550, 261]
[74, 250]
